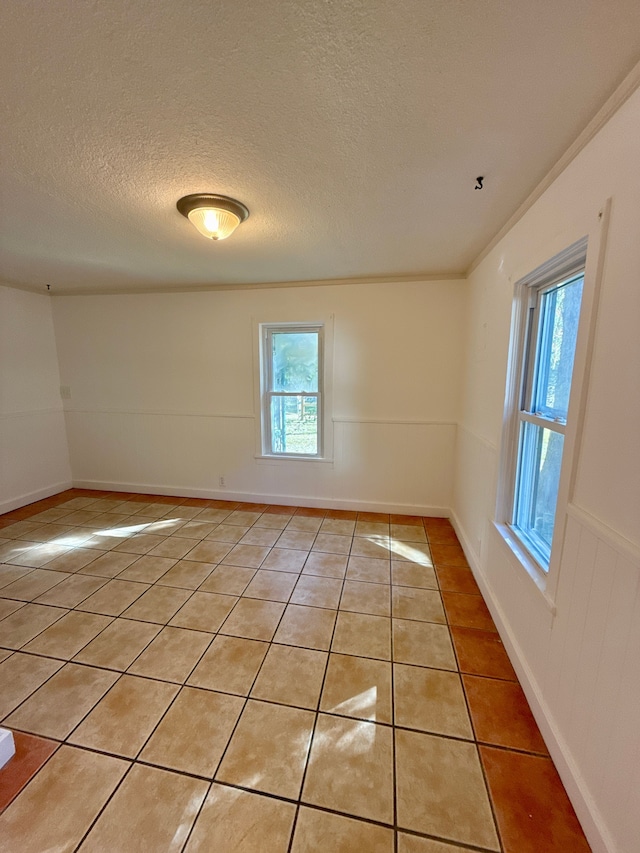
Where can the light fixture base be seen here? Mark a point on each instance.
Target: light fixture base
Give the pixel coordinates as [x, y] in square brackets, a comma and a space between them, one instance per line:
[191, 202]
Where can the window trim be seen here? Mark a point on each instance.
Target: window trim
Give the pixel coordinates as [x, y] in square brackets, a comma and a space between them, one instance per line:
[324, 327]
[563, 263]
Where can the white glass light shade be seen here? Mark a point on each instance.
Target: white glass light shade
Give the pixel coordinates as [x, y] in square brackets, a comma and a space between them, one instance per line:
[215, 216]
[214, 223]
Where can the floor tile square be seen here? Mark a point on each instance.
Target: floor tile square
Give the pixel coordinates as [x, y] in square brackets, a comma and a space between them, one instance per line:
[456, 579]
[351, 768]
[229, 665]
[68, 635]
[317, 591]
[249, 556]
[196, 530]
[376, 547]
[20, 676]
[31, 753]
[243, 517]
[482, 653]
[372, 528]
[254, 619]
[260, 536]
[325, 565]
[330, 544]
[362, 635]
[157, 604]
[56, 708]
[408, 533]
[204, 611]
[268, 750]
[285, 560]
[9, 574]
[424, 605]
[230, 533]
[467, 611]
[194, 732]
[156, 805]
[411, 552]
[140, 543]
[72, 591]
[209, 552]
[241, 822]
[147, 569]
[109, 565]
[337, 527]
[34, 584]
[272, 586]
[38, 821]
[309, 627]
[423, 644]
[360, 597]
[448, 554]
[304, 524]
[187, 574]
[228, 580]
[296, 540]
[291, 676]
[8, 606]
[501, 714]
[24, 624]
[358, 687]
[119, 644]
[113, 598]
[531, 805]
[317, 830]
[430, 700]
[369, 569]
[412, 574]
[172, 655]
[441, 789]
[123, 720]
[74, 560]
[174, 547]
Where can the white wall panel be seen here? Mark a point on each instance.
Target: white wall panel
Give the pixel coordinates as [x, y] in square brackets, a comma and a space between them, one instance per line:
[578, 662]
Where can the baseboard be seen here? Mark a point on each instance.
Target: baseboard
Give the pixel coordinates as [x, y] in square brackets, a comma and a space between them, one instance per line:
[31, 497]
[255, 497]
[586, 809]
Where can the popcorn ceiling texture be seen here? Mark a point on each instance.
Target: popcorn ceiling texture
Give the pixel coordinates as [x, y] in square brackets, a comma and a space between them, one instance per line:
[352, 129]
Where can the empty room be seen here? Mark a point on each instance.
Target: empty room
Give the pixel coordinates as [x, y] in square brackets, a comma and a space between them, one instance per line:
[319, 426]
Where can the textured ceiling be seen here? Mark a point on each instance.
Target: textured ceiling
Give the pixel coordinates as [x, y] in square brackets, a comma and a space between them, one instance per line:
[352, 129]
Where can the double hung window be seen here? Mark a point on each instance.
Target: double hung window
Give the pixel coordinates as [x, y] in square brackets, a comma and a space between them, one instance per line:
[292, 390]
[545, 333]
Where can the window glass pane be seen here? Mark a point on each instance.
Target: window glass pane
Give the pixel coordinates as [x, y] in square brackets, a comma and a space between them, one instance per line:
[537, 488]
[559, 315]
[294, 361]
[294, 424]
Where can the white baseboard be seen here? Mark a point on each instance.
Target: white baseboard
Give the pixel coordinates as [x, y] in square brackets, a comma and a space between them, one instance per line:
[254, 497]
[588, 813]
[30, 497]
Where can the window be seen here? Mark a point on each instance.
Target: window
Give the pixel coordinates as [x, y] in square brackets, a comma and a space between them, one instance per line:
[292, 390]
[546, 330]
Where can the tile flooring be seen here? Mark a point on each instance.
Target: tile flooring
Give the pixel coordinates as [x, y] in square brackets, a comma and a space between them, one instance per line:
[211, 676]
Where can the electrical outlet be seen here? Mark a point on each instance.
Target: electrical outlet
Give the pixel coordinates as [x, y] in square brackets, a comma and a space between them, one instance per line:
[221, 481]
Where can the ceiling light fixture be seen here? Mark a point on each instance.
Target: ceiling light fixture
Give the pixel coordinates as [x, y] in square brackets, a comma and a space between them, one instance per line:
[215, 216]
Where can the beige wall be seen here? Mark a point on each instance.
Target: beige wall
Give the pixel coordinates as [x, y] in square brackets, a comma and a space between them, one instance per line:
[579, 664]
[34, 461]
[163, 392]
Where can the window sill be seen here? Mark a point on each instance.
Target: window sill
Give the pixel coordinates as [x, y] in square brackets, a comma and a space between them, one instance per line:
[281, 457]
[530, 566]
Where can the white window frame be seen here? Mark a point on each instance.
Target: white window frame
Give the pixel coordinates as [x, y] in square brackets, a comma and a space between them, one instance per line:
[266, 331]
[560, 267]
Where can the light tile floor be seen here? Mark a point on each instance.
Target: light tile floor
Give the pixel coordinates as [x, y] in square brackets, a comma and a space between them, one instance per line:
[212, 676]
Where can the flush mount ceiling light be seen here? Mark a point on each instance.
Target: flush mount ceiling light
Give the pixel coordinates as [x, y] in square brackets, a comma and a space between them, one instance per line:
[215, 216]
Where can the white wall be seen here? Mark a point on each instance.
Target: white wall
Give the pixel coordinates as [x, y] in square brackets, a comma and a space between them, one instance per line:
[34, 460]
[580, 667]
[163, 392]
